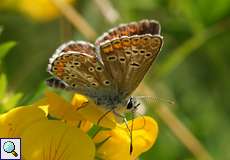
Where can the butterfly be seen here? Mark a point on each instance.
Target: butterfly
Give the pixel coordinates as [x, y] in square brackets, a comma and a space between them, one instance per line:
[111, 69]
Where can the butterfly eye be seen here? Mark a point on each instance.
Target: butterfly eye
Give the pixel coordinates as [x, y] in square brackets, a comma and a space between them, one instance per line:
[73, 85]
[129, 104]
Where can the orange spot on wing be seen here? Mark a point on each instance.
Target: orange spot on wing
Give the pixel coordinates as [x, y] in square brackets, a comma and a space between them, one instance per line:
[126, 42]
[60, 69]
[135, 41]
[60, 65]
[116, 44]
[124, 33]
[107, 48]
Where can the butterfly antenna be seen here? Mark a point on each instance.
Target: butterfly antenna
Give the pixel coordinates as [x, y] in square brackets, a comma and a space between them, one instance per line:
[157, 99]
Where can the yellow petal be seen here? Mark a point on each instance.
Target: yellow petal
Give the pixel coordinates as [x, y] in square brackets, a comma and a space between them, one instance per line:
[14, 122]
[40, 10]
[118, 145]
[42, 104]
[84, 125]
[60, 108]
[79, 101]
[95, 114]
[80, 110]
[52, 140]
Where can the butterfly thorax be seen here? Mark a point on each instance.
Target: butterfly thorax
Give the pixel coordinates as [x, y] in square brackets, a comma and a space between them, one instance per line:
[117, 104]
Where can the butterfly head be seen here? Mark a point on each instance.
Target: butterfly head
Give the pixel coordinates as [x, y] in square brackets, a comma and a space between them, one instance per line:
[132, 104]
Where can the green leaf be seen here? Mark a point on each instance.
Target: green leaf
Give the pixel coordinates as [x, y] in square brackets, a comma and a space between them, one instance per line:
[3, 85]
[5, 47]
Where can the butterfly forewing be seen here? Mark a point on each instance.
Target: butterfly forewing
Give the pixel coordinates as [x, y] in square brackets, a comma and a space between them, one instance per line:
[128, 58]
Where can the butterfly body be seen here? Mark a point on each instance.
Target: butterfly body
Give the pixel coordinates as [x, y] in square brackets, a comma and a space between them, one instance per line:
[109, 71]
[102, 97]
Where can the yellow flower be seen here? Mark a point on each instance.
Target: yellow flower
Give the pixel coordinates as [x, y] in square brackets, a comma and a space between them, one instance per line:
[66, 138]
[115, 142]
[38, 10]
[44, 139]
[80, 109]
[14, 122]
[60, 108]
[117, 145]
[54, 140]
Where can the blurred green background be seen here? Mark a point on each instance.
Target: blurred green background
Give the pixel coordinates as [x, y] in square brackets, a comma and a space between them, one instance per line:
[193, 66]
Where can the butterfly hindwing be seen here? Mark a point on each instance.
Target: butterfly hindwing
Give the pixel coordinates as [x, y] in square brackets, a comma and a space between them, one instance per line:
[76, 64]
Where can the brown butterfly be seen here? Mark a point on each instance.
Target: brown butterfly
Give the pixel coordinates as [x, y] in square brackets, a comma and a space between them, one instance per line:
[109, 71]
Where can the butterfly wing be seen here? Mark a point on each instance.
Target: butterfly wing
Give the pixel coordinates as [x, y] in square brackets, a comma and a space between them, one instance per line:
[76, 67]
[128, 52]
